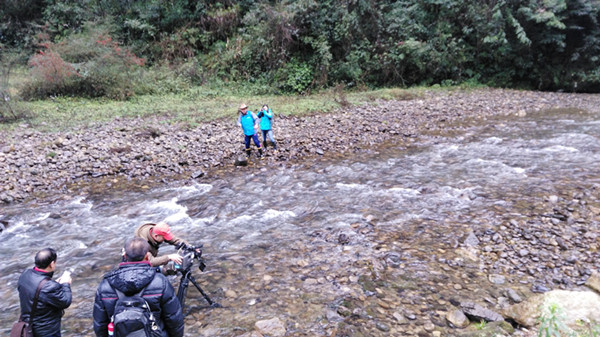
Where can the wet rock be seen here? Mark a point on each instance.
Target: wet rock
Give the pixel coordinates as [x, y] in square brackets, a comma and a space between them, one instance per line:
[456, 318]
[197, 174]
[478, 313]
[271, 327]
[471, 240]
[513, 295]
[241, 160]
[575, 305]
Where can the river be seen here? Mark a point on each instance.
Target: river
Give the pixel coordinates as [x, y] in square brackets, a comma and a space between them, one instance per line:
[364, 245]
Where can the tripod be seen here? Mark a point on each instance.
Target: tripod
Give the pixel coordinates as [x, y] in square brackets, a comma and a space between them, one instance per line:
[186, 277]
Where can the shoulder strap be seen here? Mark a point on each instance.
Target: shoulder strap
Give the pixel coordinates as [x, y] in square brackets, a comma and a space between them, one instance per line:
[35, 298]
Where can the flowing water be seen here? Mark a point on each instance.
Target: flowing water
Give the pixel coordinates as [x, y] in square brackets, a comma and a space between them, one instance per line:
[365, 232]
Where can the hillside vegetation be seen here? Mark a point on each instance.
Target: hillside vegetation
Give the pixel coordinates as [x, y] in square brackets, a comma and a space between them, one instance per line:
[124, 48]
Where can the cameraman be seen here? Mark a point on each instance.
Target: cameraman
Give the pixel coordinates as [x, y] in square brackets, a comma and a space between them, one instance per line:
[156, 234]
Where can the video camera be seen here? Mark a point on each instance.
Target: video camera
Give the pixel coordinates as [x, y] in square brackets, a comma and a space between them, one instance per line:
[190, 253]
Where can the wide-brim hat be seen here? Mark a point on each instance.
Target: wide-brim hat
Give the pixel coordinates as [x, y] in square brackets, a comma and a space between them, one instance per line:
[243, 106]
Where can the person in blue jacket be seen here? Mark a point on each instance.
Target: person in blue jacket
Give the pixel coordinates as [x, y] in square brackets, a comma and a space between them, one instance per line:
[266, 116]
[248, 121]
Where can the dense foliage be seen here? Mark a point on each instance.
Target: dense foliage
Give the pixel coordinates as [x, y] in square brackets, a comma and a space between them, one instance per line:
[299, 45]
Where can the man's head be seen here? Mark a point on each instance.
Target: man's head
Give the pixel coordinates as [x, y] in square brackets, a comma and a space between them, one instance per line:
[136, 249]
[161, 231]
[46, 259]
[243, 108]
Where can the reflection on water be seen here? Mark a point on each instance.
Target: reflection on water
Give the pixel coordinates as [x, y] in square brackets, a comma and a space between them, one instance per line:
[292, 242]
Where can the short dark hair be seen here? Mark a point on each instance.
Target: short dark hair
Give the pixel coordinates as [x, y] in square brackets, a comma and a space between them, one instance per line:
[136, 249]
[44, 257]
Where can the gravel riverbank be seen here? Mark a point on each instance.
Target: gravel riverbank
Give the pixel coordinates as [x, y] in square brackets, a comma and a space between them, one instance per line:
[35, 164]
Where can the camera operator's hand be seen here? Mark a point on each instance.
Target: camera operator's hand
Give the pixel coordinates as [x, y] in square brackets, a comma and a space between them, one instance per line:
[176, 258]
[65, 278]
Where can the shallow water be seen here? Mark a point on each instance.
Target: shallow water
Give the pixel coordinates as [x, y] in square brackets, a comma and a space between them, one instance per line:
[296, 242]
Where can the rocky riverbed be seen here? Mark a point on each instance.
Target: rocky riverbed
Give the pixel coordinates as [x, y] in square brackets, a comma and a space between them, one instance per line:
[393, 276]
[130, 153]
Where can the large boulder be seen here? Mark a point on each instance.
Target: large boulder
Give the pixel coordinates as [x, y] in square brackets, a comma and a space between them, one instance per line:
[594, 282]
[575, 305]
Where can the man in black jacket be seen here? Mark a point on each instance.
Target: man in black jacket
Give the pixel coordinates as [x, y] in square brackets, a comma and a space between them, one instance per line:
[54, 296]
[130, 278]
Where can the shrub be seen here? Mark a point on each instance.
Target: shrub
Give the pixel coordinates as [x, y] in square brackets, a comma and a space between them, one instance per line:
[88, 64]
[51, 75]
[295, 76]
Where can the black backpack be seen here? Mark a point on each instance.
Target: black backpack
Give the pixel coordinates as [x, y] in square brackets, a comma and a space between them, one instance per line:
[133, 318]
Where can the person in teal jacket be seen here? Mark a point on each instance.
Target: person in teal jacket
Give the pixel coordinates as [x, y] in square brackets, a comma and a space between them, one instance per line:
[266, 116]
[248, 121]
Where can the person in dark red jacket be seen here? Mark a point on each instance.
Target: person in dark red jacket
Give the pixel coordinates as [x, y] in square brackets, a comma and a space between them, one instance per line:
[130, 278]
[54, 297]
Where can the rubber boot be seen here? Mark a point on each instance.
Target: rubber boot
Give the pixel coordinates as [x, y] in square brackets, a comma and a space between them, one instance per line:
[248, 151]
[274, 146]
[260, 152]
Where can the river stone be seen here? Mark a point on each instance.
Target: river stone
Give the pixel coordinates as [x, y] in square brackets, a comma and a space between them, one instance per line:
[457, 318]
[478, 313]
[469, 253]
[594, 282]
[271, 327]
[575, 305]
[496, 279]
[197, 174]
[428, 326]
[382, 326]
[333, 316]
[513, 296]
[471, 240]
[241, 160]
[400, 318]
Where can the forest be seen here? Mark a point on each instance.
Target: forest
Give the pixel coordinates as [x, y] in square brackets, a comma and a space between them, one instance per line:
[121, 48]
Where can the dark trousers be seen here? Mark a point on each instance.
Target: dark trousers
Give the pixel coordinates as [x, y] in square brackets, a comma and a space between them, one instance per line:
[254, 137]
